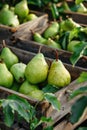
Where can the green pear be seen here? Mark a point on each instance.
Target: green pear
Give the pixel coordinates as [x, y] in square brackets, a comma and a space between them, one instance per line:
[65, 6]
[31, 16]
[6, 78]
[52, 30]
[38, 38]
[8, 57]
[21, 9]
[15, 86]
[36, 94]
[81, 8]
[7, 17]
[72, 44]
[68, 25]
[37, 69]
[18, 71]
[53, 44]
[27, 87]
[58, 74]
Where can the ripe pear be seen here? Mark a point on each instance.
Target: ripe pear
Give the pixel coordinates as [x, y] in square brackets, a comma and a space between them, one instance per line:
[31, 16]
[58, 74]
[38, 38]
[36, 94]
[6, 78]
[27, 87]
[37, 69]
[72, 44]
[53, 44]
[18, 71]
[8, 57]
[7, 17]
[21, 9]
[51, 31]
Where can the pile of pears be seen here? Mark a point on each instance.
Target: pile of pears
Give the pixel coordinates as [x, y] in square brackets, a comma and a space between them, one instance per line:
[15, 15]
[28, 78]
[55, 31]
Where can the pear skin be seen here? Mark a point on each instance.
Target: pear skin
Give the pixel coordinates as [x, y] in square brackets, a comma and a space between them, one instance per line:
[37, 69]
[18, 71]
[6, 78]
[58, 74]
[8, 57]
[21, 9]
[27, 87]
[51, 31]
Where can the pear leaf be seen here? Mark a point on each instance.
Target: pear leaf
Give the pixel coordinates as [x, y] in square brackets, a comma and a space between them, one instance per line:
[81, 90]
[78, 109]
[49, 89]
[78, 52]
[51, 98]
[74, 33]
[64, 40]
[82, 77]
[9, 116]
[49, 128]
[82, 128]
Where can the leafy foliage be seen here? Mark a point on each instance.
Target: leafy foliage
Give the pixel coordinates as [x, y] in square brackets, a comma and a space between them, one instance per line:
[79, 51]
[21, 106]
[77, 109]
[81, 90]
[82, 77]
[53, 100]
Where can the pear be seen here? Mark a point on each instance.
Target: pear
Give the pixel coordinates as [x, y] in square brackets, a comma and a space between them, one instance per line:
[38, 38]
[8, 57]
[65, 6]
[31, 16]
[81, 8]
[37, 69]
[52, 30]
[27, 87]
[58, 74]
[53, 44]
[68, 25]
[21, 9]
[18, 71]
[7, 17]
[72, 44]
[6, 78]
[36, 94]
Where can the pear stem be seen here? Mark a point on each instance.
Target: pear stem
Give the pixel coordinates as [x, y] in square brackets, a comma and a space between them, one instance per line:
[3, 43]
[39, 49]
[56, 55]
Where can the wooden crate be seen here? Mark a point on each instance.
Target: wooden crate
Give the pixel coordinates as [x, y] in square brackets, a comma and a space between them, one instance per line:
[24, 29]
[49, 52]
[45, 108]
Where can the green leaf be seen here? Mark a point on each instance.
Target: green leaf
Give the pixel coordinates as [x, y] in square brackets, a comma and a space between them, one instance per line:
[64, 40]
[77, 109]
[78, 91]
[74, 33]
[82, 128]
[9, 116]
[50, 89]
[49, 128]
[53, 100]
[82, 77]
[78, 52]
[54, 11]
